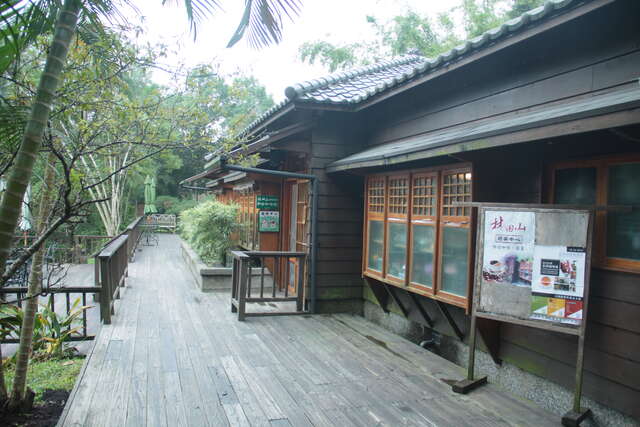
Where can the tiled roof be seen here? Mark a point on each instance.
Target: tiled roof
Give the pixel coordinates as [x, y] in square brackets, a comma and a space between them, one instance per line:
[357, 85]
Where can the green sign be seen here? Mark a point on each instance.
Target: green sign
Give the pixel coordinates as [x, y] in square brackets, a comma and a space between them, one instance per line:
[267, 202]
[269, 221]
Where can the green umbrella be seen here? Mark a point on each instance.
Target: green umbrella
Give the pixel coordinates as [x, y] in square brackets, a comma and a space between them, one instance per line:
[150, 195]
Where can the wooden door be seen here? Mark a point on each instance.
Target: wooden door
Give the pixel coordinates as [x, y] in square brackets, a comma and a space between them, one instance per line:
[296, 229]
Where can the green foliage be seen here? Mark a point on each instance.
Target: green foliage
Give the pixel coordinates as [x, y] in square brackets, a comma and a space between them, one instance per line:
[414, 33]
[51, 331]
[174, 205]
[209, 227]
[49, 375]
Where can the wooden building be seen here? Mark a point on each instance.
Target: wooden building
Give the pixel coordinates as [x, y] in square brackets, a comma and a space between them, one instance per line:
[544, 109]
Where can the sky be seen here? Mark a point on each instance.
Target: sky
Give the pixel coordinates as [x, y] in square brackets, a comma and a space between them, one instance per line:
[276, 67]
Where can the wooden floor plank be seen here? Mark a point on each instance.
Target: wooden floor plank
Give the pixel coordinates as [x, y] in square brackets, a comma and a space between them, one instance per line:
[175, 356]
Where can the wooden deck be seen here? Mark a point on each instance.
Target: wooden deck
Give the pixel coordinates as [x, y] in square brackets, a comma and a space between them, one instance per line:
[175, 356]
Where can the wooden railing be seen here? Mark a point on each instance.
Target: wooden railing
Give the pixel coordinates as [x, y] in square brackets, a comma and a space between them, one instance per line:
[287, 268]
[69, 293]
[133, 232]
[111, 268]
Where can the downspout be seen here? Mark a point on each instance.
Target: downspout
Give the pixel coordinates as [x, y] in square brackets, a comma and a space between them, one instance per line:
[314, 216]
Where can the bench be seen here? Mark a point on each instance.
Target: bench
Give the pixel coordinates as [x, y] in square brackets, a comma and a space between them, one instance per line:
[168, 221]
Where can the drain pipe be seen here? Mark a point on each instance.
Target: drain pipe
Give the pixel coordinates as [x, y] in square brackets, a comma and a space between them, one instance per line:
[314, 217]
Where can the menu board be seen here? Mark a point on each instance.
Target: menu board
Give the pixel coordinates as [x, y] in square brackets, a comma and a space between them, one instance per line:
[532, 264]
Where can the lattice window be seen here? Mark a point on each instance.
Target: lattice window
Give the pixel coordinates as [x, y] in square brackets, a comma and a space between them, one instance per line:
[456, 188]
[376, 194]
[424, 195]
[399, 195]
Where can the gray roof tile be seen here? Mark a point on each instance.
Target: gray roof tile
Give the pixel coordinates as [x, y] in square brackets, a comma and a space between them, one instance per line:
[357, 85]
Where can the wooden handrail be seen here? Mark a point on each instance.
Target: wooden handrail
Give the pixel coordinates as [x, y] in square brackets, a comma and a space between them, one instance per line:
[241, 278]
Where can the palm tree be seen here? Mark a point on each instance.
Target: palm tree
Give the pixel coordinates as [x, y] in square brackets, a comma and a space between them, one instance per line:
[21, 21]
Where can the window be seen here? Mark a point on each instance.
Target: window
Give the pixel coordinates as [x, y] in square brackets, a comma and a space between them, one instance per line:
[375, 225]
[398, 212]
[613, 182]
[417, 232]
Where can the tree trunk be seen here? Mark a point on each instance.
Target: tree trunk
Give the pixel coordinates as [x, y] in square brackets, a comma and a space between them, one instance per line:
[18, 391]
[32, 139]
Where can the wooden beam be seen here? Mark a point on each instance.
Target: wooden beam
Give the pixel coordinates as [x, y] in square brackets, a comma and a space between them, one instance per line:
[392, 292]
[454, 327]
[381, 296]
[421, 309]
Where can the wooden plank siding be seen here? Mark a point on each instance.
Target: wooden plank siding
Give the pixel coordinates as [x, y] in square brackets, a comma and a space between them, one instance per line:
[340, 216]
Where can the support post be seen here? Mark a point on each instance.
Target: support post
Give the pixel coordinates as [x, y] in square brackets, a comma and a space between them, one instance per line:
[300, 287]
[105, 292]
[242, 291]
[468, 384]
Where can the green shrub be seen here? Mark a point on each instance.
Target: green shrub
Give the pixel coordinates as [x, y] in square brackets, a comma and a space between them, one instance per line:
[165, 203]
[209, 227]
[181, 206]
[51, 330]
[173, 205]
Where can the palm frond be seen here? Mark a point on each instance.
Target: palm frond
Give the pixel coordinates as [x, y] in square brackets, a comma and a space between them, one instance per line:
[197, 11]
[262, 21]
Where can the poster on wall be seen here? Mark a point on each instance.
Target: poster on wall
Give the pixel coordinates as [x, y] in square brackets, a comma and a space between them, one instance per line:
[508, 247]
[557, 289]
[269, 221]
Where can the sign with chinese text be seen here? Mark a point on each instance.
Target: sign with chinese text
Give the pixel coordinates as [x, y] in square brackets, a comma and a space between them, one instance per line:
[532, 264]
[558, 283]
[508, 247]
[267, 202]
[268, 221]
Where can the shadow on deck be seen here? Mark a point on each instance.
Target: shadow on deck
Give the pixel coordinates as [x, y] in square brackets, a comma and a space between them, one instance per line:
[175, 356]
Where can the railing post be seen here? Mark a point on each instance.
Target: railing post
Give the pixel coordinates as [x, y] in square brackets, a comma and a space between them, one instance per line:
[242, 291]
[96, 277]
[234, 283]
[300, 283]
[105, 292]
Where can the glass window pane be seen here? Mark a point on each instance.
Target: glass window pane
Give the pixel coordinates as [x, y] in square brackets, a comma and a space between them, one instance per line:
[575, 186]
[455, 260]
[424, 242]
[376, 245]
[397, 254]
[623, 236]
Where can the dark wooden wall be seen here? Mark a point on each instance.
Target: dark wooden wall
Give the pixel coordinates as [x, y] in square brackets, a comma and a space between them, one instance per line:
[339, 282]
[596, 52]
